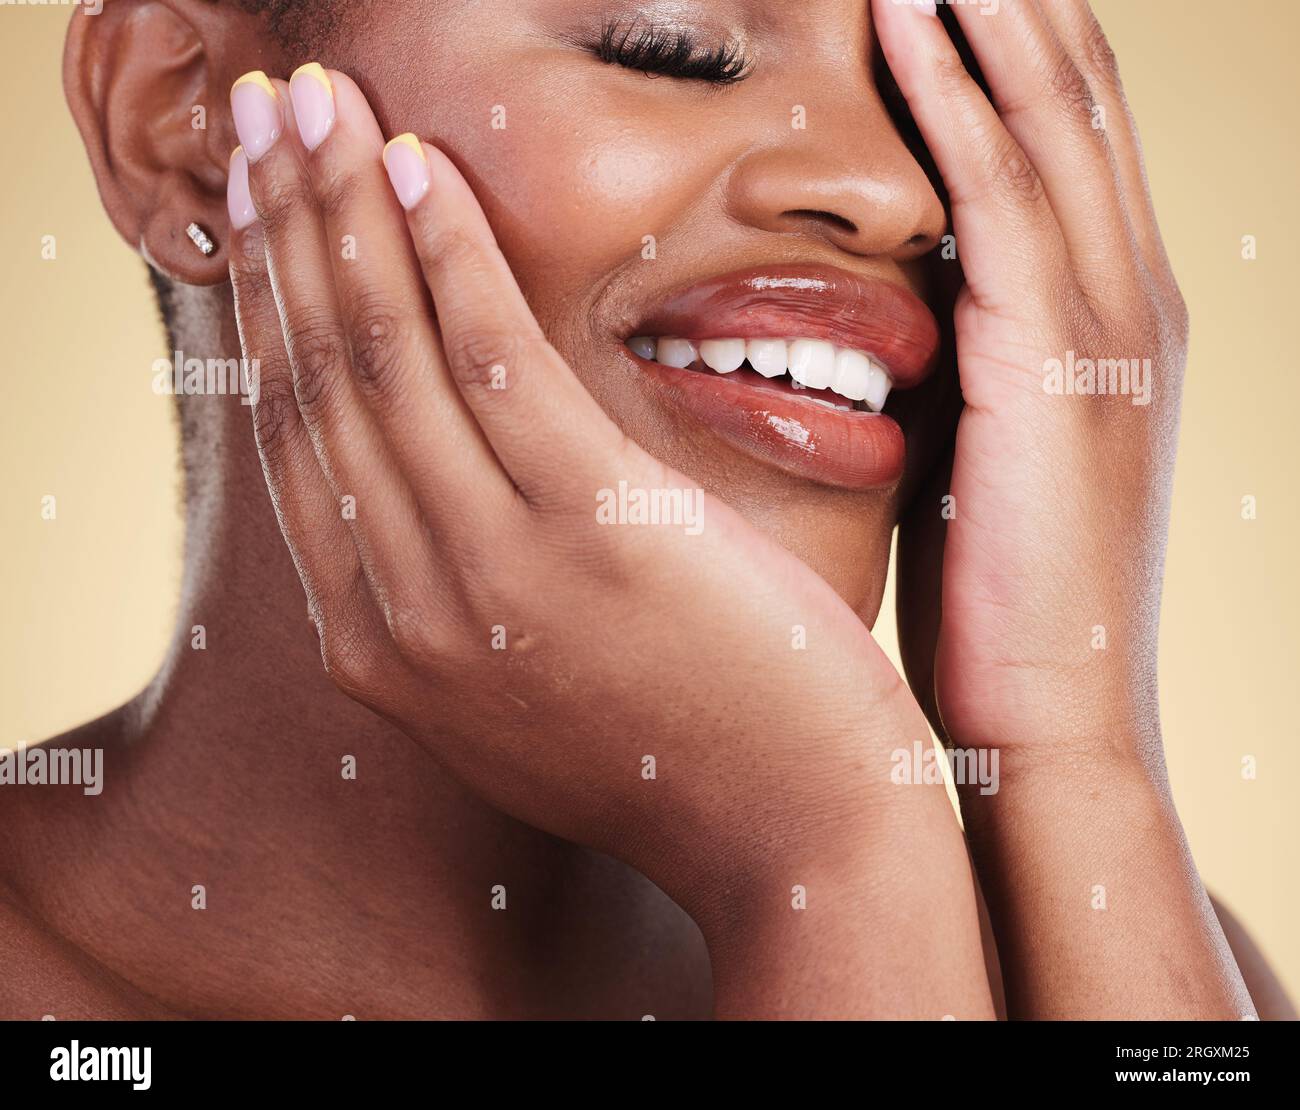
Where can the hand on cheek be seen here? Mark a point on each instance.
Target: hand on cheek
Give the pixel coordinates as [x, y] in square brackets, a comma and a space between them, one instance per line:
[437, 469]
[1063, 269]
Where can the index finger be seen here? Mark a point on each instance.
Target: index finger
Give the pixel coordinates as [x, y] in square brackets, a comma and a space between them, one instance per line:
[540, 421]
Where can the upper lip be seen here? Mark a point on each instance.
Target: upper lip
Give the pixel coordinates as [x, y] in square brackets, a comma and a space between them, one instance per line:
[868, 314]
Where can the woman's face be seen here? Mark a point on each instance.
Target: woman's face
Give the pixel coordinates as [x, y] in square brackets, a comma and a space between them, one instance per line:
[782, 205]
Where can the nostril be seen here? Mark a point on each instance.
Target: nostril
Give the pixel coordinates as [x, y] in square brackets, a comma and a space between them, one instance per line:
[832, 218]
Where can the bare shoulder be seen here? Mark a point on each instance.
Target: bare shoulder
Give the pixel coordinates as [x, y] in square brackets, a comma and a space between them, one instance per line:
[44, 791]
[43, 794]
[43, 976]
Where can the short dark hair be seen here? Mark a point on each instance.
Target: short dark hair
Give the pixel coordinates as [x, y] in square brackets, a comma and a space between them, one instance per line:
[297, 25]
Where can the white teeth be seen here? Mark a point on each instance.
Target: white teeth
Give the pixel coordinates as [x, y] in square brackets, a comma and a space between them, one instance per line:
[643, 346]
[679, 353]
[723, 355]
[852, 374]
[878, 389]
[768, 356]
[812, 363]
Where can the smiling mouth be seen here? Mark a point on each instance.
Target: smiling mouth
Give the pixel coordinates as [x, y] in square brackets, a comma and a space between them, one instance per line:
[840, 378]
[791, 365]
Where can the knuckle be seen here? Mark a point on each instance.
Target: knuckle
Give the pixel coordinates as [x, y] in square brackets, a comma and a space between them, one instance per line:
[1099, 55]
[248, 269]
[451, 249]
[274, 414]
[376, 343]
[950, 76]
[411, 633]
[479, 352]
[280, 201]
[1066, 83]
[350, 662]
[1154, 318]
[316, 349]
[1012, 172]
[337, 192]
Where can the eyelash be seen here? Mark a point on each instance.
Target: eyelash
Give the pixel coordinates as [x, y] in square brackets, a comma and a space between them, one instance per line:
[667, 53]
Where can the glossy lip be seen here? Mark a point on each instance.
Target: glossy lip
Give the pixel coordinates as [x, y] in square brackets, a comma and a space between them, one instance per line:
[850, 450]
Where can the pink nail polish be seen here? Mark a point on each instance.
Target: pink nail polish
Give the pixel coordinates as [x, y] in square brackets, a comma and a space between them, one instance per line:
[408, 169]
[312, 94]
[256, 109]
[239, 201]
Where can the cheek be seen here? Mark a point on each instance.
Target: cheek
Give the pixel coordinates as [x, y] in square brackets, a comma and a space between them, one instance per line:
[572, 189]
[572, 192]
[573, 165]
[577, 201]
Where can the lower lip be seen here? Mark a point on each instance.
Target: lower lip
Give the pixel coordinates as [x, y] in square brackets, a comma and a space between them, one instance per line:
[772, 423]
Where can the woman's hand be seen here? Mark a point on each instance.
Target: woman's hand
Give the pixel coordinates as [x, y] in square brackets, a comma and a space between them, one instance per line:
[686, 696]
[1060, 499]
[1045, 644]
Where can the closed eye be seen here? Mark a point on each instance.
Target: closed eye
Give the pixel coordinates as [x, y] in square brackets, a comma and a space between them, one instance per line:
[670, 52]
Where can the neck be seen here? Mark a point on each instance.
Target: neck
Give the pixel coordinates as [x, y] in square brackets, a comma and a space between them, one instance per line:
[242, 697]
[238, 756]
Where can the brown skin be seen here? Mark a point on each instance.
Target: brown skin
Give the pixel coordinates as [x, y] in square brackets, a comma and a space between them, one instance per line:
[632, 157]
[215, 753]
[474, 501]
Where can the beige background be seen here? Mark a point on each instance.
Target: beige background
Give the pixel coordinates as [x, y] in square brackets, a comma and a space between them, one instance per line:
[87, 600]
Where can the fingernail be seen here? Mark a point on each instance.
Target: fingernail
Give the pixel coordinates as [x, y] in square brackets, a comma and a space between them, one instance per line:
[408, 169]
[257, 113]
[921, 7]
[313, 103]
[239, 201]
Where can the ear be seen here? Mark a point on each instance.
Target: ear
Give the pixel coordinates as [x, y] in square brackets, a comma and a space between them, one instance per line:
[148, 83]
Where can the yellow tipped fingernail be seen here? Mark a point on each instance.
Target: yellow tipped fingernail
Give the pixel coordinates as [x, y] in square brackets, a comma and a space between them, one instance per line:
[409, 140]
[316, 70]
[312, 94]
[258, 78]
[408, 169]
[256, 108]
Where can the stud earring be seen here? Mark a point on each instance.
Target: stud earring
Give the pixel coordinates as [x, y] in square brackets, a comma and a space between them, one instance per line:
[200, 239]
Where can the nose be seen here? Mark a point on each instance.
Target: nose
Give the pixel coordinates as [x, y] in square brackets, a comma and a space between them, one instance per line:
[845, 177]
